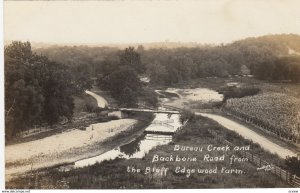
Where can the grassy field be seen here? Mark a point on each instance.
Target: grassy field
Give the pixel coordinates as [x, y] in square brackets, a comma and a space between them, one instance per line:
[195, 134]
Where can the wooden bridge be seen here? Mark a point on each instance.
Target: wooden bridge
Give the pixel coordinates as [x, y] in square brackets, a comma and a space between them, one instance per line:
[146, 110]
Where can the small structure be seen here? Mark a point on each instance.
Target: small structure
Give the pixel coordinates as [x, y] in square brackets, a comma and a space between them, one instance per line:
[103, 113]
[118, 114]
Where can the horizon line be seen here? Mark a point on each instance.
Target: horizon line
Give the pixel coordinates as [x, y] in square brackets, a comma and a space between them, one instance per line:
[145, 43]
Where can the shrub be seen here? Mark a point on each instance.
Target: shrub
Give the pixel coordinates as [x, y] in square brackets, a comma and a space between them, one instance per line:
[237, 92]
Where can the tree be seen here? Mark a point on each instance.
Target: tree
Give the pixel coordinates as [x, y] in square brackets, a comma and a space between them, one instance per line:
[121, 79]
[129, 57]
[36, 89]
[157, 73]
[23, 97]
[123, 83]
[128, 97]
[82, 78]
[58, 91]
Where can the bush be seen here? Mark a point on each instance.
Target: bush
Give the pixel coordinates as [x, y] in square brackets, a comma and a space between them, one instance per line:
[186, 115]
[90, 104]
[293, 165]
[237, 92]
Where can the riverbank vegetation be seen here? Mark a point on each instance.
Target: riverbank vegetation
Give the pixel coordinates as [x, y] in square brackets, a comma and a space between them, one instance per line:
[37, 90]
[237, 92]
[197, 133]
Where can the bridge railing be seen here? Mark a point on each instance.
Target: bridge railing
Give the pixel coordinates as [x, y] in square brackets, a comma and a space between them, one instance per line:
[172, 107]
[164, 124]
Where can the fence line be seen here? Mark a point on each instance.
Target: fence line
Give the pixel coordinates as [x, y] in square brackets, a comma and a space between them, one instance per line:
[281, 173]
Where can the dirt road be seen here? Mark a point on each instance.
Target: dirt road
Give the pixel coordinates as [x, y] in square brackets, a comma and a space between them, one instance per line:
[249, 134]
[100, 100]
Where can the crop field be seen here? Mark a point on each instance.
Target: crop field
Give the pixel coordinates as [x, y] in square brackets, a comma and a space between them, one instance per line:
[278, 113]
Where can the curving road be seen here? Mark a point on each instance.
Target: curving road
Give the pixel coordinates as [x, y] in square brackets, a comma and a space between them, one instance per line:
[249, 134]
[100, 100]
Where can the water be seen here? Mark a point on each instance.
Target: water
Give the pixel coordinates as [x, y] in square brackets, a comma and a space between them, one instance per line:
[189, 96]
[139, 147]
[161, 128]
[164, 123]
[203, 95]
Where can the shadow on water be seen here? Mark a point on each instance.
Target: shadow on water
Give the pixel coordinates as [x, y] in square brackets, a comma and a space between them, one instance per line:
[140, 146]
[132, 147]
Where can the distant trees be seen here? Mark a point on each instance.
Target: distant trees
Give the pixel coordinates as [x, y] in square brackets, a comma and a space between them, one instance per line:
[267, 57]
[129, 57]
[82, 77]
[283, 68]
[157, 73]
[36, 89]
[237, 92]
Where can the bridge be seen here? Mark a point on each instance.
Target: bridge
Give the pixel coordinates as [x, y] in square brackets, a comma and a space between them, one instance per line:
[145, 110]
[163, 124]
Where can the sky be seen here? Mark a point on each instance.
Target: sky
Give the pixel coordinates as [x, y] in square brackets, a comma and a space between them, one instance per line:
[201, 21]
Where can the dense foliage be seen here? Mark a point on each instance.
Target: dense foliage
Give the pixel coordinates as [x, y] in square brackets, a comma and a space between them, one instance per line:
[237, 92]
[271, 57]
[293, 164]
[37, 90]
[45, 86]
[283, 68]
[121, 78]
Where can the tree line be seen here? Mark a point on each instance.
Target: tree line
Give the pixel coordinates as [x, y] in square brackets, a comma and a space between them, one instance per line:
[266, 57]
[40, 83]
[37, 90]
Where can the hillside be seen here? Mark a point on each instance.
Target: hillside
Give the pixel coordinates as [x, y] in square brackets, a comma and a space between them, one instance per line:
[278, 44]
[183, 63]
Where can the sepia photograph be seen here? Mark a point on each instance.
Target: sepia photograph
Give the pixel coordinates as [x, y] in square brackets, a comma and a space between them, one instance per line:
[152, 94]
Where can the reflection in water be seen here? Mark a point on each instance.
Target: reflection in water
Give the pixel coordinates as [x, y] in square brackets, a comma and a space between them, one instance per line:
[139, 147]
[133, 147]
[162, 125]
